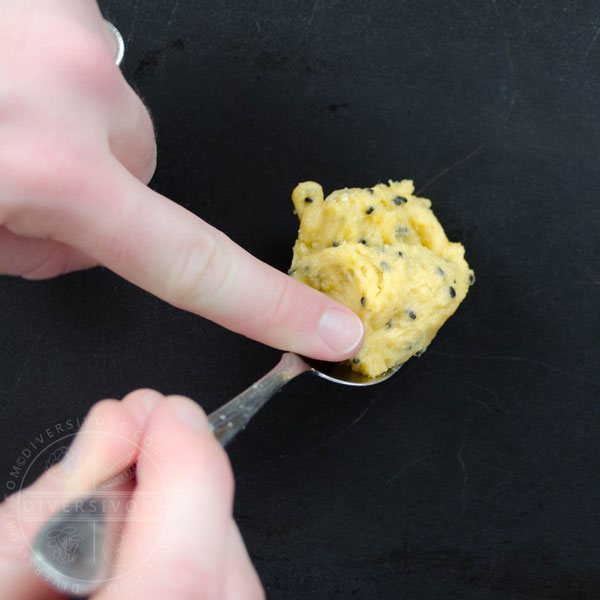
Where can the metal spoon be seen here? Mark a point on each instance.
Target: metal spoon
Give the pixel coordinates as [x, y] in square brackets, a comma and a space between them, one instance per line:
[232, 417]
[70, 550]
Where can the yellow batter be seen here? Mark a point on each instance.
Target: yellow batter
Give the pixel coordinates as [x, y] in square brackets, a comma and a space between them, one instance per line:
[381, 252]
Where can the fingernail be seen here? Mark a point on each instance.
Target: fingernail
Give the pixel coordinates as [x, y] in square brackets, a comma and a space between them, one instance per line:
[189, 413]
[341, 331]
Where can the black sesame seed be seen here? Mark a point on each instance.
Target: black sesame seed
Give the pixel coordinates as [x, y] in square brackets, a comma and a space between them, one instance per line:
[356, 361]
[399, 200]
[471, 279]
[452, 292]
[388, 324]
[369, 210]
[400, 254]
[363, 241]
[441, 272]
[308, 200]
[363, 300]
[291, 271]
[385, 266]
[412, 315]
[419, 353]
[335, 244]
[371, 191]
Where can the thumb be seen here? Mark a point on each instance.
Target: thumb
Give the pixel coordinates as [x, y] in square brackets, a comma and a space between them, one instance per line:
[167, 250]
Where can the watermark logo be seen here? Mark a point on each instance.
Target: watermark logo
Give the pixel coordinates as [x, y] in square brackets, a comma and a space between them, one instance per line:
[56, 456]
[78, 538]
[64, 543]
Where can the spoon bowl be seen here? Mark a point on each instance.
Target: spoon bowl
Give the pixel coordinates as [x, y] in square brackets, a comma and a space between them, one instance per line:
[342, 373]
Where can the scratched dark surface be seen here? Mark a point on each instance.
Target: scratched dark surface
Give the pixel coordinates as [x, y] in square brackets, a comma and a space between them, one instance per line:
[475, 472]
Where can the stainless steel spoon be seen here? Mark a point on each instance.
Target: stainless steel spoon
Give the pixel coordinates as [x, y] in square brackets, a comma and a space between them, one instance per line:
[232, 417]
[73, 551]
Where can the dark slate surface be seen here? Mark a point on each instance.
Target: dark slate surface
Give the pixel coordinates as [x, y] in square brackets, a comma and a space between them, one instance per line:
[474, 473]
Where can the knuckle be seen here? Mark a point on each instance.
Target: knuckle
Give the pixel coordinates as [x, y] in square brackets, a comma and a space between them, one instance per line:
[282, 302]
[84, 60]
[197, 274]
[283, 296]
[72, 52]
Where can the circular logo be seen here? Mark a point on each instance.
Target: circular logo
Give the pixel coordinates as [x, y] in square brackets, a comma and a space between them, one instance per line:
[76, 537]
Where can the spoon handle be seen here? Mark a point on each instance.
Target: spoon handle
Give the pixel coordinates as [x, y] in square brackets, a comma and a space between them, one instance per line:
[227, 421]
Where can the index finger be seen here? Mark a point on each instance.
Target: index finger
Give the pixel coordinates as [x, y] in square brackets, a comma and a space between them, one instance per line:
[170, 252]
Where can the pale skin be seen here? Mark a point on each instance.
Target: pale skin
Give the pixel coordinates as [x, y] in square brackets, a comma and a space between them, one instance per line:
[194, 547]
[77, 151]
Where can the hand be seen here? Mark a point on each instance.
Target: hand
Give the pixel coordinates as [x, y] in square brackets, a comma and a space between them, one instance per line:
[188, 548]
[76, 152]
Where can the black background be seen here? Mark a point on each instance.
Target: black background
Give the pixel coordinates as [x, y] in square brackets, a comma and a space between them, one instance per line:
[474, 472]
